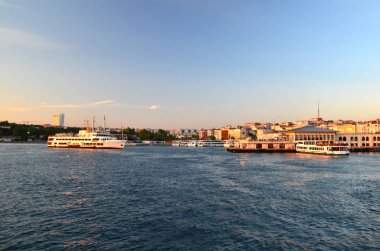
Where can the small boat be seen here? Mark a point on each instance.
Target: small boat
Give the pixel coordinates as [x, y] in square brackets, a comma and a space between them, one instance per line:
[322, 147]
[136, 143]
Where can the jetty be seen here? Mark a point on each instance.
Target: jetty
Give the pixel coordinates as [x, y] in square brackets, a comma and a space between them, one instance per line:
[263, 146]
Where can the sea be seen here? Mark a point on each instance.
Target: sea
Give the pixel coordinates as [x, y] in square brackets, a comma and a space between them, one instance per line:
[174, 198]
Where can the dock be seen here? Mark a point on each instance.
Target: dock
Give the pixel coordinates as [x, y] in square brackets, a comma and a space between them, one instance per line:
[245, 150]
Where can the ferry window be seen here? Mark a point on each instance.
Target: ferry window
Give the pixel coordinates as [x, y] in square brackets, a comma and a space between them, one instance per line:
[356, 138]
[363, 139]
[344, 138]
[374, 138]
[363, 144]
[259, 146]
[282, 146]
[270, 146]
[367, 138]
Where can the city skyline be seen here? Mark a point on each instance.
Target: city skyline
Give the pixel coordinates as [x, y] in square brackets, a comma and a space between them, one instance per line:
[189, 64]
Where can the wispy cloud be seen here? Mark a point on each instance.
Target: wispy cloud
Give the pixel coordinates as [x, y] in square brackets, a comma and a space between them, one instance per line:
[12, 38]
[18, 109]
[74, 106]
[153, 107]
[4, 3]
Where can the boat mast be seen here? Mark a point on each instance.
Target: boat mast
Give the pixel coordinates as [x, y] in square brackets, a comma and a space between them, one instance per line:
[122, 130]
[93, 123]
[104, 123]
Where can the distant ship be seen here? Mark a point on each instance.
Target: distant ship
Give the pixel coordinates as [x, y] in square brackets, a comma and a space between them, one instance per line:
[322, 147]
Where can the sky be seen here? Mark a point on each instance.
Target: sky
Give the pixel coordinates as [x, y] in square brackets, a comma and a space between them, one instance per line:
[189, 63]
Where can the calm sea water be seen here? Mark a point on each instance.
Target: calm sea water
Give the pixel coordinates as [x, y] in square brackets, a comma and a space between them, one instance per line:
[186, 199]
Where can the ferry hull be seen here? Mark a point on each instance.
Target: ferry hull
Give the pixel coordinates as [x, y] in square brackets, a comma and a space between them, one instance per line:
[326, 154]
[114, 144]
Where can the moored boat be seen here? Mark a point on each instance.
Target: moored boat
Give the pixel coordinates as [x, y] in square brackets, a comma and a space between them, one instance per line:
[322, 147]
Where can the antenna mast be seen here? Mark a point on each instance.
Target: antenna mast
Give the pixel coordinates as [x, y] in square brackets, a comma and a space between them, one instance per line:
[318, 110]
[93, 123]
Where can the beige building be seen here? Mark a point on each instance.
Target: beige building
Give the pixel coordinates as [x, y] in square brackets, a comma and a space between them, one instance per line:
[237, 133]
[310, 133]
[58, 120]
[359, 140]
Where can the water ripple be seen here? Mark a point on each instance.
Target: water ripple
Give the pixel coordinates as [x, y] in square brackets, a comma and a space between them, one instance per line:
[186, 199]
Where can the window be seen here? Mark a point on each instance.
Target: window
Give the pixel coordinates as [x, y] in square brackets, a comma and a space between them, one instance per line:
[259, 146]
[270, 146]
[344, 138]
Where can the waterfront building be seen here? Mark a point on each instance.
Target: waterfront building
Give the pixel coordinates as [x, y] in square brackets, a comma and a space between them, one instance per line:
[210, 133]
[202, 134]
[264, 145]
[239, 132]
[221, 134]
[58, 120]
[359, 140]
[310, 133]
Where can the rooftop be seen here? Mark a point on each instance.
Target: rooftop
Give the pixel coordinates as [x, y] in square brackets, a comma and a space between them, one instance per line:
[311, 129]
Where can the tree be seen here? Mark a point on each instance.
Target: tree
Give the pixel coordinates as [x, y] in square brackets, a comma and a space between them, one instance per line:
[145, 135]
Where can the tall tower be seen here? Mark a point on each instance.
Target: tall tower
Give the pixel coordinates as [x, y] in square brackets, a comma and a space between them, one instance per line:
[58, 120]
[318, 111]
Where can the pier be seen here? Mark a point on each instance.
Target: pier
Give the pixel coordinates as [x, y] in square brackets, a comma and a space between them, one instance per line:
[242, 150]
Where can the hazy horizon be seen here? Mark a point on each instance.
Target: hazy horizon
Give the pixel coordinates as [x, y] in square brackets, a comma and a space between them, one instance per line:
[189, 64]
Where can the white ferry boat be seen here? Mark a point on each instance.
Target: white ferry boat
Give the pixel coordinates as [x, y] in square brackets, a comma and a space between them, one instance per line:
[86, 139]
[192, 143]
[322, 147]
[210, 143]
[229, 143]
[179, 143]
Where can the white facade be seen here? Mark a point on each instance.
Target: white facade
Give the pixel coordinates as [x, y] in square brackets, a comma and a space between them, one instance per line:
[359, 140]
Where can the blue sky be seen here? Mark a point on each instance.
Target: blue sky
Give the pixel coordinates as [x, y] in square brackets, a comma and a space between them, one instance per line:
[189, 64]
